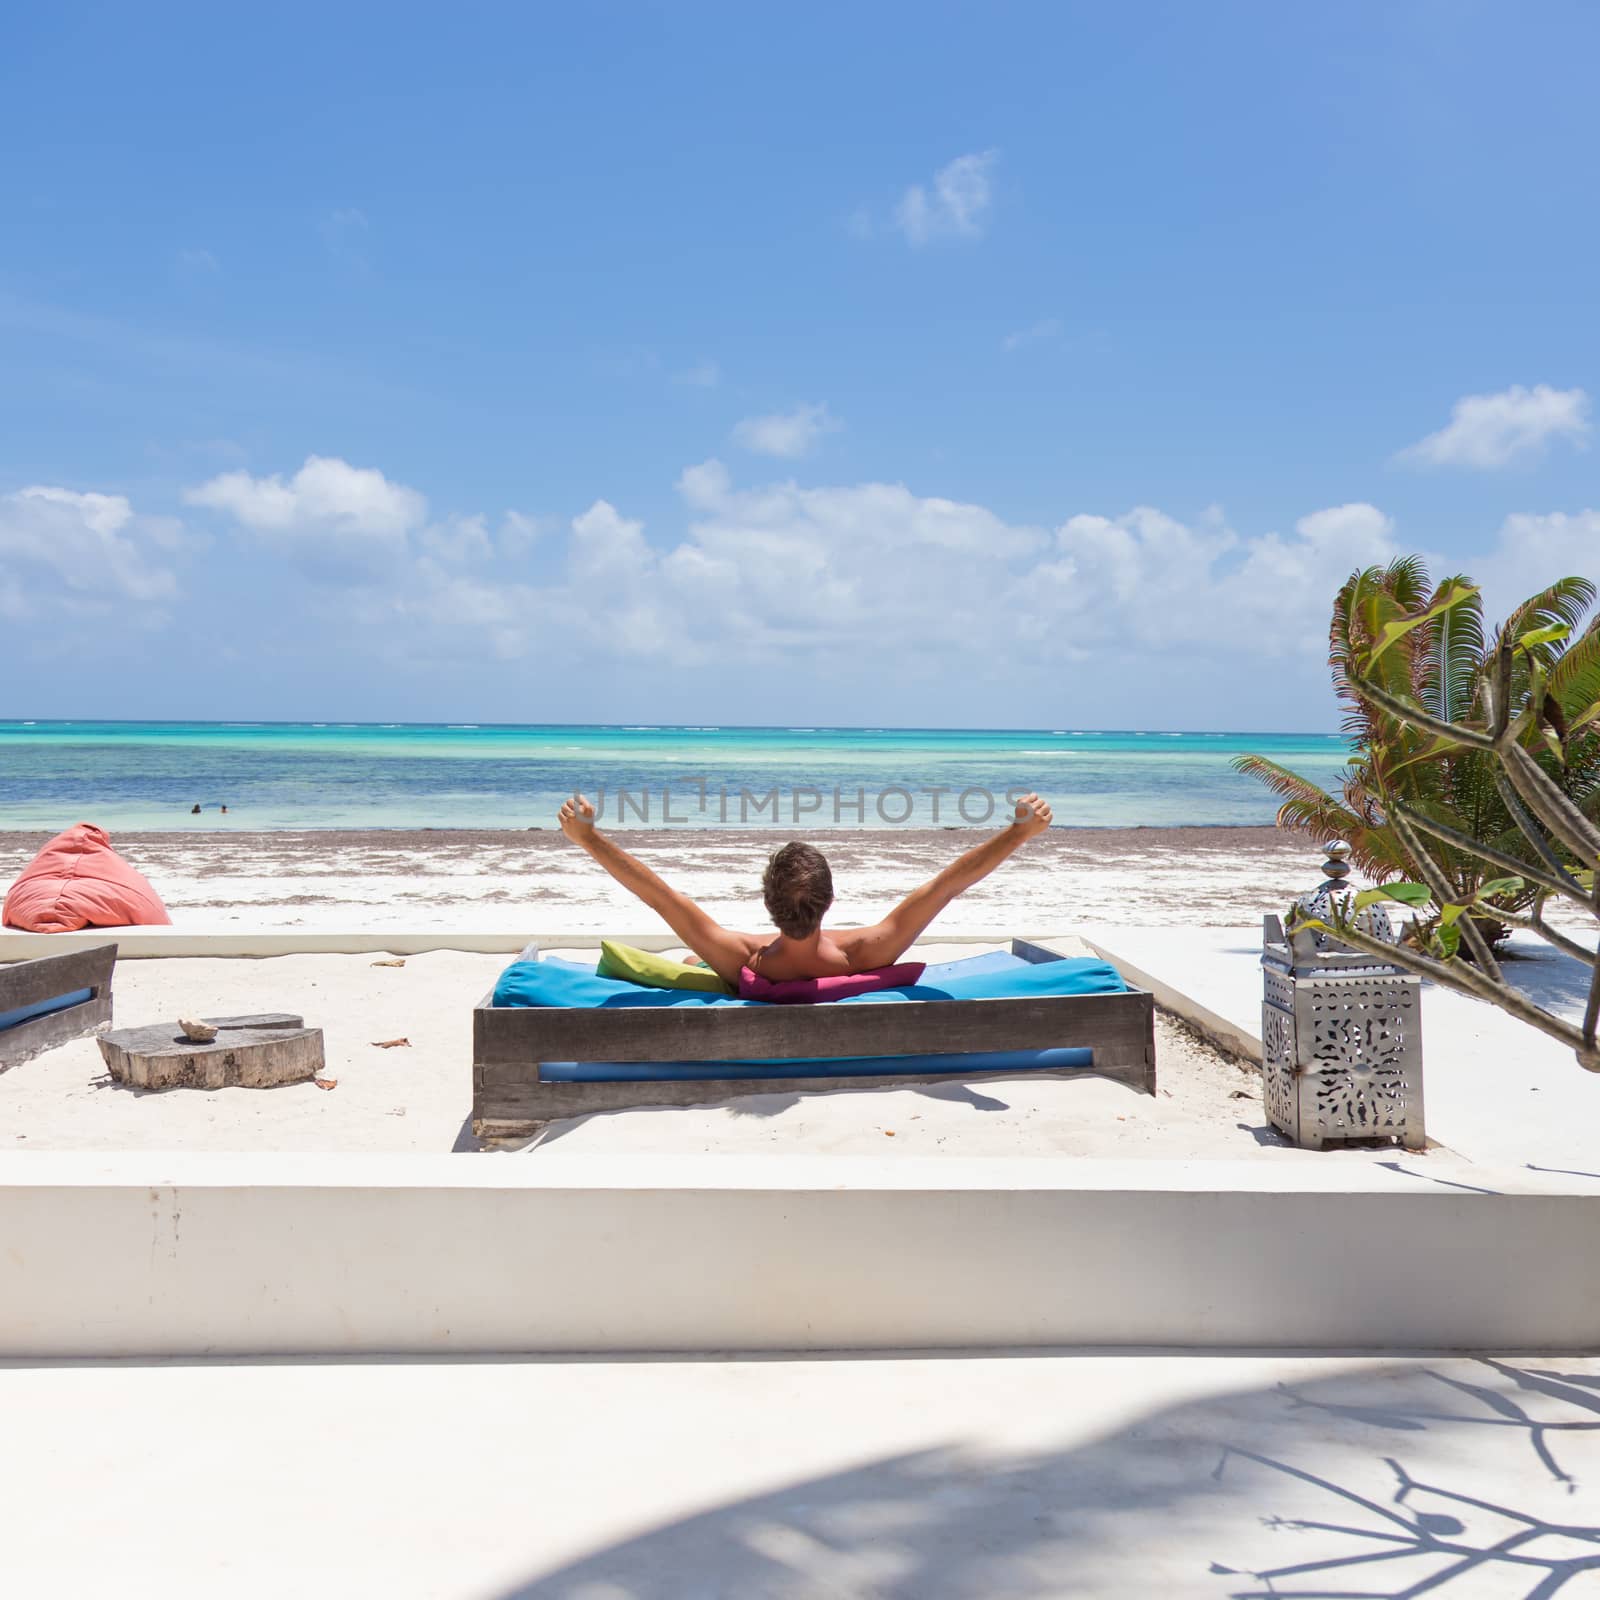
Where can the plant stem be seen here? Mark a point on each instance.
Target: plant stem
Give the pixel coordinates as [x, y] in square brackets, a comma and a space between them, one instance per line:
[1418, 718]
[1465, 981]
[1534, 834]
[1443, 893]
[1563, 884]
[1537, 925]
[1548, 804]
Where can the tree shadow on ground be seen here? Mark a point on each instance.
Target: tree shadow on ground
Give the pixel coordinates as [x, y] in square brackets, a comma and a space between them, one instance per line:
[1549, 978]
[1386, 1480]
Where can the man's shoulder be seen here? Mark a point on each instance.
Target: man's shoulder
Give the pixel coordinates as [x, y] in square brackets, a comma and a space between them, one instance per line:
[851, 942]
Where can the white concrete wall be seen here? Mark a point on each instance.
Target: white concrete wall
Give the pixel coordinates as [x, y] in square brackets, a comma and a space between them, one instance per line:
[141, 1255]
[1224, 1027]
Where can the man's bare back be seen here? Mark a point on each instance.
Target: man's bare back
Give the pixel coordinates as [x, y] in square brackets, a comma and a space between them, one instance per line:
[798, 890]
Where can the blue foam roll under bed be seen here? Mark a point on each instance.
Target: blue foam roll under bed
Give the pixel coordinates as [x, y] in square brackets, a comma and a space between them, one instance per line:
[44, 1008]
[998, 975]
[838, 1067]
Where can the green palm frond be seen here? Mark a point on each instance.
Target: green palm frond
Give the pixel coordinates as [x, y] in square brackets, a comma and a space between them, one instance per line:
[1319, 816]
[1407, 578]
[1427, 645]
[1575, 677]
[1563, 604]
[1452, 656]
[1282, 781]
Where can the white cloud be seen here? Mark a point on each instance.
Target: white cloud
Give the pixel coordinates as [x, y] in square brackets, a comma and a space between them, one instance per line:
[502, 616]
[783, 575]
[773, 581]
[198, 262]
[330, 515]
[886, 571]
[519, 533]
[776, 575]
[611, 598]
[956, 205]
[606, 544]
[60, 549]
[1558, 539]
[1494, 430]
[1287, 584]
[1534, 550]
[357, 530]
[787, 434]
[1048, 328]
[458, 539]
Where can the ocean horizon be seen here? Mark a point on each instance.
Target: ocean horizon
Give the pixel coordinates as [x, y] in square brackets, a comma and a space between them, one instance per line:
[148, 776]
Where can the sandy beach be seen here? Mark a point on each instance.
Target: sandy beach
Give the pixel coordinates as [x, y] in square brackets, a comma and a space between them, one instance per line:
[417, 1097]
[534, 880]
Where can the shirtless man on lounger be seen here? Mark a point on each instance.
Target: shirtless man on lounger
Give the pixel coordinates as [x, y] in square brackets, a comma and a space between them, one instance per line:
[798, 890]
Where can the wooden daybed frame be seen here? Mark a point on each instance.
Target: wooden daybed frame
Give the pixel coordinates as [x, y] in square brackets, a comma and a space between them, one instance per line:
[29, 983]
[510, 1101]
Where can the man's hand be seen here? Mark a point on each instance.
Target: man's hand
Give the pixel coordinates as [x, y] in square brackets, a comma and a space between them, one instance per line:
[1033, 816]
[577, 819]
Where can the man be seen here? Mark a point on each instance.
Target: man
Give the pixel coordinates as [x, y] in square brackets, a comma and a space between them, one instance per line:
[798, 890]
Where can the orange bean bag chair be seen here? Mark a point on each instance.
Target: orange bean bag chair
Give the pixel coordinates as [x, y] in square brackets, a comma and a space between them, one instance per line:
[79, 881]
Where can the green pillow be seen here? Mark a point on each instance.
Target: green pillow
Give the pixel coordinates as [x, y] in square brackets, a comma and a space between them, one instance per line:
[655, 972]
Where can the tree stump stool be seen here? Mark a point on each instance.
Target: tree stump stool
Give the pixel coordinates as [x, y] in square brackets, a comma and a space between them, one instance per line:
[257, 1052]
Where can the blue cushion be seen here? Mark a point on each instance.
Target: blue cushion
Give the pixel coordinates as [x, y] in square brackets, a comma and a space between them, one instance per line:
[999, 975]
[1071, 975]
[972, 966]
[839, 1067]
[553, 983]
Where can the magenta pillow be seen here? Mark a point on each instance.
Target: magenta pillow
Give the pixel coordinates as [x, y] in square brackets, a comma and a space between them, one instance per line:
[811, 991]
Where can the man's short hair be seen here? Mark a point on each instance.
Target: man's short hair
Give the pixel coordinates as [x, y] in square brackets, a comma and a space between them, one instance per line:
[798, 889]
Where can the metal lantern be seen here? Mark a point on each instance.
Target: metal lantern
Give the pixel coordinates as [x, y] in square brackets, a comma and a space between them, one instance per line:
[1341, 1031]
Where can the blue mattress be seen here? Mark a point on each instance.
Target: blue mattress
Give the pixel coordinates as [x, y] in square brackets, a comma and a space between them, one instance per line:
[44, 1008]
[998, 975]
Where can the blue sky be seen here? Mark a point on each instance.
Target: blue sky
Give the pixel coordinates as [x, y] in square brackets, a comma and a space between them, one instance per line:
[1023, 365]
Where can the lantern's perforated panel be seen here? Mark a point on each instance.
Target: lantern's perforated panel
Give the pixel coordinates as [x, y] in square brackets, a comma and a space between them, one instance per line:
[1277, 1069]
[1342, 1057]
[1362, 1078]
[1279, 989]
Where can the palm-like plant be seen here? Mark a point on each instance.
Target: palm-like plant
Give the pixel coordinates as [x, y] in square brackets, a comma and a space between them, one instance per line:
[1537, 720]
[1414, 644]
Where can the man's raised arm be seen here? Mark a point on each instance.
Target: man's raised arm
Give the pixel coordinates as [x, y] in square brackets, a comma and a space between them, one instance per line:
[721, 950]
[884, 944]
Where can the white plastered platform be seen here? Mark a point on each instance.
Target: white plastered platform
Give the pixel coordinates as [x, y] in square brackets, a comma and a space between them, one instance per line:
[203, 1254]
[965, 1477]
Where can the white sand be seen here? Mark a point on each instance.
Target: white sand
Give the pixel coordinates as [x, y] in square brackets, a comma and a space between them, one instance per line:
[418, 1097]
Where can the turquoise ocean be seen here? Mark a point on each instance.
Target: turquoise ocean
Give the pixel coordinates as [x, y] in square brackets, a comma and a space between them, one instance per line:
[149, 775]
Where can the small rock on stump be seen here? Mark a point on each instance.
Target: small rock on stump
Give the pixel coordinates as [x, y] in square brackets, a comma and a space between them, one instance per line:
[257, 1052]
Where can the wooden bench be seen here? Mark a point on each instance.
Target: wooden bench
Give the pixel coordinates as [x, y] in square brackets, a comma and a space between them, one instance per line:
[46, 1002]
[511, 1101]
